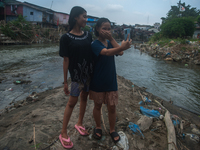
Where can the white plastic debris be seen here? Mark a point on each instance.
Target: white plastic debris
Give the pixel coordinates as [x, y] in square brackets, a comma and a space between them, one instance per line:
[123, 143]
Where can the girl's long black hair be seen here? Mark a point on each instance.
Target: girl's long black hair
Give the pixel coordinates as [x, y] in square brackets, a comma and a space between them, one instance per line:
[98, 25]
[75, 12]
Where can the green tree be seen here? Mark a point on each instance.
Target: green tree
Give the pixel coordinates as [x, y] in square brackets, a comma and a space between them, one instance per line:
[86, 28]
[178, 27]
[198, 20]
[175, 12]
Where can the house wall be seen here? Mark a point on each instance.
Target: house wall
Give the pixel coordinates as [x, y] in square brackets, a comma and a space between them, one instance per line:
[32, 15]
[196, 34]
[60, 18]
[18, 10]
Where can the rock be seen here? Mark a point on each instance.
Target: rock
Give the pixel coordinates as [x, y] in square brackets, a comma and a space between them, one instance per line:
[193, 126]
[169, 59]
[144, 123]
[196, 131]
[176, 57]
[196, 62]
[115, 148]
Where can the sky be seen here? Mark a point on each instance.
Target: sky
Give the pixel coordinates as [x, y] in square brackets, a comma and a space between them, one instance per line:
[130, 12]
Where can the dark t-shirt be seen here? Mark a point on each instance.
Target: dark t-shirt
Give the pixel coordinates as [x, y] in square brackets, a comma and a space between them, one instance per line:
[104, 78]
[78, 50]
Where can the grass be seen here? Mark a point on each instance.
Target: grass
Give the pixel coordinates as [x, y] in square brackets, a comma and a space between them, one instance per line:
[183, 48]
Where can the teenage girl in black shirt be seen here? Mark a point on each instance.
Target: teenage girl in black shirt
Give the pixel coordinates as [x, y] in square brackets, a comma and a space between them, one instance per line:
[75, 48]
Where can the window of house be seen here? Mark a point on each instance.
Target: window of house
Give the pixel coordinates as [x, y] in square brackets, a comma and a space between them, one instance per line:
[31, 13]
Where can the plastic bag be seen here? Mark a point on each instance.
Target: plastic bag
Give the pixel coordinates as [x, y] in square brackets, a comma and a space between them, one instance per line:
[123, 142]
[150, 113]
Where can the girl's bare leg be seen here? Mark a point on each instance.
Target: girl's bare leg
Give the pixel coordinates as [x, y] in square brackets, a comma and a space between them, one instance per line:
[83, 103]
[97, 115]
[67, 114]
[112, 118]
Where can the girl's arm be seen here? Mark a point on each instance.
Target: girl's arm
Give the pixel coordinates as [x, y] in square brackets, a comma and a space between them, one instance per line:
[65, 71]
[112, 41]
[117, 50]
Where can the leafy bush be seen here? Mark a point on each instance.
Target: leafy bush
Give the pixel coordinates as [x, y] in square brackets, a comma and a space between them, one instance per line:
[177, 27]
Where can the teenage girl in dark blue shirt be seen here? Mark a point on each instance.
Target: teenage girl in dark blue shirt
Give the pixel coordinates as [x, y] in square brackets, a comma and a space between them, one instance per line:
[103, 86]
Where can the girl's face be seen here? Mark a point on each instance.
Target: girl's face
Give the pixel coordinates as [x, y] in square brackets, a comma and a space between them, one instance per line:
[105, 27]
[81, 19]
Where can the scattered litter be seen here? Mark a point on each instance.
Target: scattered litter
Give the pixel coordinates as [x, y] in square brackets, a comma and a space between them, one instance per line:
[135, 128]
[115, 148]
[18, 82]
[175, 122]
[193, 126]
[186, 65]
[147, 100]
[90, 137]
[123, 142]
[196, 131]
[144, 123]
[193, 137]
[150, 113]
[141, 103]
[161, 117]
[127, 119]
[10, 89]
[103, 138]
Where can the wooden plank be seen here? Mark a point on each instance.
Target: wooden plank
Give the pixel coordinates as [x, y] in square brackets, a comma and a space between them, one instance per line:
[171, 136]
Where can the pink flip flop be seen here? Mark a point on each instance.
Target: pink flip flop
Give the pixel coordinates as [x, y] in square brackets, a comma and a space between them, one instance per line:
[66, 140]
[79, 130]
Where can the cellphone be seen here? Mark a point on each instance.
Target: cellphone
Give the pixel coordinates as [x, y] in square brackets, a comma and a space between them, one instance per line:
[126, 32]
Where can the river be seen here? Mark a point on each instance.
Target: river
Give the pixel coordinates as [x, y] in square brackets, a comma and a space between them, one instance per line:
[42, 65]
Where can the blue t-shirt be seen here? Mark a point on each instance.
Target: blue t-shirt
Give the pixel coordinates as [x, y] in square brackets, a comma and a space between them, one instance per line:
[104, 76]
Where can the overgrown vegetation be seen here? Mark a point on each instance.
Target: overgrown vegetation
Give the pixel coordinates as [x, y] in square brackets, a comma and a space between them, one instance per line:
[178, 26]
[19, 28]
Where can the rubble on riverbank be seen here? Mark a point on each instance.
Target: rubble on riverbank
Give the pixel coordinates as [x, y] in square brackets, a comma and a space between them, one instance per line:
[184, 53]
[44, 113]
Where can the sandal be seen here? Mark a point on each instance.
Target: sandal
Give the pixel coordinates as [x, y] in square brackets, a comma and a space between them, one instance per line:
[99, 131]
[66, 140]
[113, 135]
[79, 130]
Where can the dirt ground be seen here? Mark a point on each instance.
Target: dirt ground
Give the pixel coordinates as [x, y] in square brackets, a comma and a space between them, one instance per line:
[46, 113]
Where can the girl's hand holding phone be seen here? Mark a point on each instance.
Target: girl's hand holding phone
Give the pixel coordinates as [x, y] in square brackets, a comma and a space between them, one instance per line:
[126, 44]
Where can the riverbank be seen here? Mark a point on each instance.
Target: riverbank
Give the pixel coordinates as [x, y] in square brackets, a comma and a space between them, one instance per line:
[45, 111]
[22, 32]
[184, 53]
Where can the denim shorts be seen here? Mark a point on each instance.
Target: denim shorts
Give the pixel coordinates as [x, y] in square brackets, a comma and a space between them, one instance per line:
[76, 88]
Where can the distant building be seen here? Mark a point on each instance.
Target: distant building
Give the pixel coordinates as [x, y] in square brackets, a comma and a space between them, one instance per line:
[153, 30]
[142, 27]
[157, 25]
[197, 31]
[60, 18]
[91, 20]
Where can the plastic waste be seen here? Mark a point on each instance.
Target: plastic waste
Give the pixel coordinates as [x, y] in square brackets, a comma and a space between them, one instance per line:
[115, 148]
[161, 117]
[18, 81]
[175, 122]
[196, 131]
[141, 103]
[10, 89]
[150, 113]
[186, 65]
[193, 137]
[123, 142]
[135, 128]
[147, 100]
